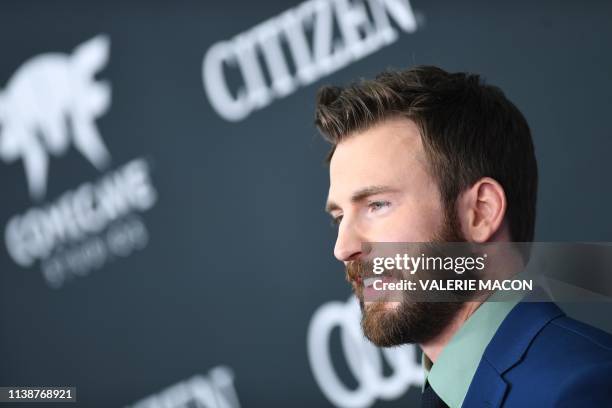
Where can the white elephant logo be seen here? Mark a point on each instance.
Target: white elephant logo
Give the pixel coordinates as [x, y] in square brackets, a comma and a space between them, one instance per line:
[51, 100]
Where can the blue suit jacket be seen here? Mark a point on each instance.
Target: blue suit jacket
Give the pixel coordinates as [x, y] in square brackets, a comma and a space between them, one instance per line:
[539, 357]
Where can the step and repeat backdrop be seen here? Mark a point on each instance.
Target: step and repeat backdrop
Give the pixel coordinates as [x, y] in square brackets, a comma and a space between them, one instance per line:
[164, 243]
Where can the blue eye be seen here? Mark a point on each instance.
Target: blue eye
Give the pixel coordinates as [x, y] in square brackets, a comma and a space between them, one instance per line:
[377, 205]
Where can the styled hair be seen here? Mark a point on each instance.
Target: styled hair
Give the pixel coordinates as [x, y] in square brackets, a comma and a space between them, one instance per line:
[469, 130]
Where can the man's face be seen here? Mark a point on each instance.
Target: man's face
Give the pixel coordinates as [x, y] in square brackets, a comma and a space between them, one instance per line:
[381, 190]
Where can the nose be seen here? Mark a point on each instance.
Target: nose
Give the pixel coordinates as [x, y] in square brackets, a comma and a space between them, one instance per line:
[348, 243]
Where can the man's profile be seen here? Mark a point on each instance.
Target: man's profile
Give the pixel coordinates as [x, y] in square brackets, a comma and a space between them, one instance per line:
[424, 155]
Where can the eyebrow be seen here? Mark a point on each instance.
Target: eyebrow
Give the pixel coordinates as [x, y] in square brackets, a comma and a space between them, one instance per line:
[359, 195]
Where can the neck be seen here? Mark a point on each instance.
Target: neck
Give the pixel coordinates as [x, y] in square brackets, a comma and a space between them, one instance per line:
[508, 264]
[434, 347]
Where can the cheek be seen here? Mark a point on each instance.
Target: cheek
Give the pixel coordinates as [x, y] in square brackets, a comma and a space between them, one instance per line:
[413, 222]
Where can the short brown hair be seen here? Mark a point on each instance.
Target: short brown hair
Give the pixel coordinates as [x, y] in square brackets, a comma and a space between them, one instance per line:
[469, 129]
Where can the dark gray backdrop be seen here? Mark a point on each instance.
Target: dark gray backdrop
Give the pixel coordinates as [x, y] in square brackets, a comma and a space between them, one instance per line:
[239, 254]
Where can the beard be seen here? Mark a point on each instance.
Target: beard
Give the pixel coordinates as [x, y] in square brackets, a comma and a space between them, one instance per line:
[406, 321]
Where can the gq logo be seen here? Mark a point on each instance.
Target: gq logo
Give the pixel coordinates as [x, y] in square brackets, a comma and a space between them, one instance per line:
[363, 358]
[45, 94]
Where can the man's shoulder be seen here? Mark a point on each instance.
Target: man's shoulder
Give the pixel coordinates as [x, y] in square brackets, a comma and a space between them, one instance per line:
[568, 363]
[541, 357]
[565, 334]
[567, 343]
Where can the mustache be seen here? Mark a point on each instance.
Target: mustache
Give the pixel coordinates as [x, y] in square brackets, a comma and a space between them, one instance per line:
[355, 271]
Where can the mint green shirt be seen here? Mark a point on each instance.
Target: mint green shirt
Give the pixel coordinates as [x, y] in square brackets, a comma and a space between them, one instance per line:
[451, 375]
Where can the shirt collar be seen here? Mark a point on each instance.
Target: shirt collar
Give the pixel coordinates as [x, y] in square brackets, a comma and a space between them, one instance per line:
[451, 375]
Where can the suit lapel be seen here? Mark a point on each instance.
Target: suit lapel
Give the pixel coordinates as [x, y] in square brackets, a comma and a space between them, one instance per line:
[487, 388]
[506, 349]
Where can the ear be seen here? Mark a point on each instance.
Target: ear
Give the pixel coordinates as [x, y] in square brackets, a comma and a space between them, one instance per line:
[482, 209]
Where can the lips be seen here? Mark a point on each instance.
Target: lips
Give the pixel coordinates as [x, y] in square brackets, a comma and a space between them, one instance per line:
[357, 285]
[369, 292]
[354, 273]
[373, 295]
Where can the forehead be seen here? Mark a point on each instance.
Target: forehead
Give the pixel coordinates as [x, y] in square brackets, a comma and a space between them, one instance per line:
[389, 154]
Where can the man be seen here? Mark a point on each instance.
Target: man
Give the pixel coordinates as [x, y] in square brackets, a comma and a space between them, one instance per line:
[424, 155]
